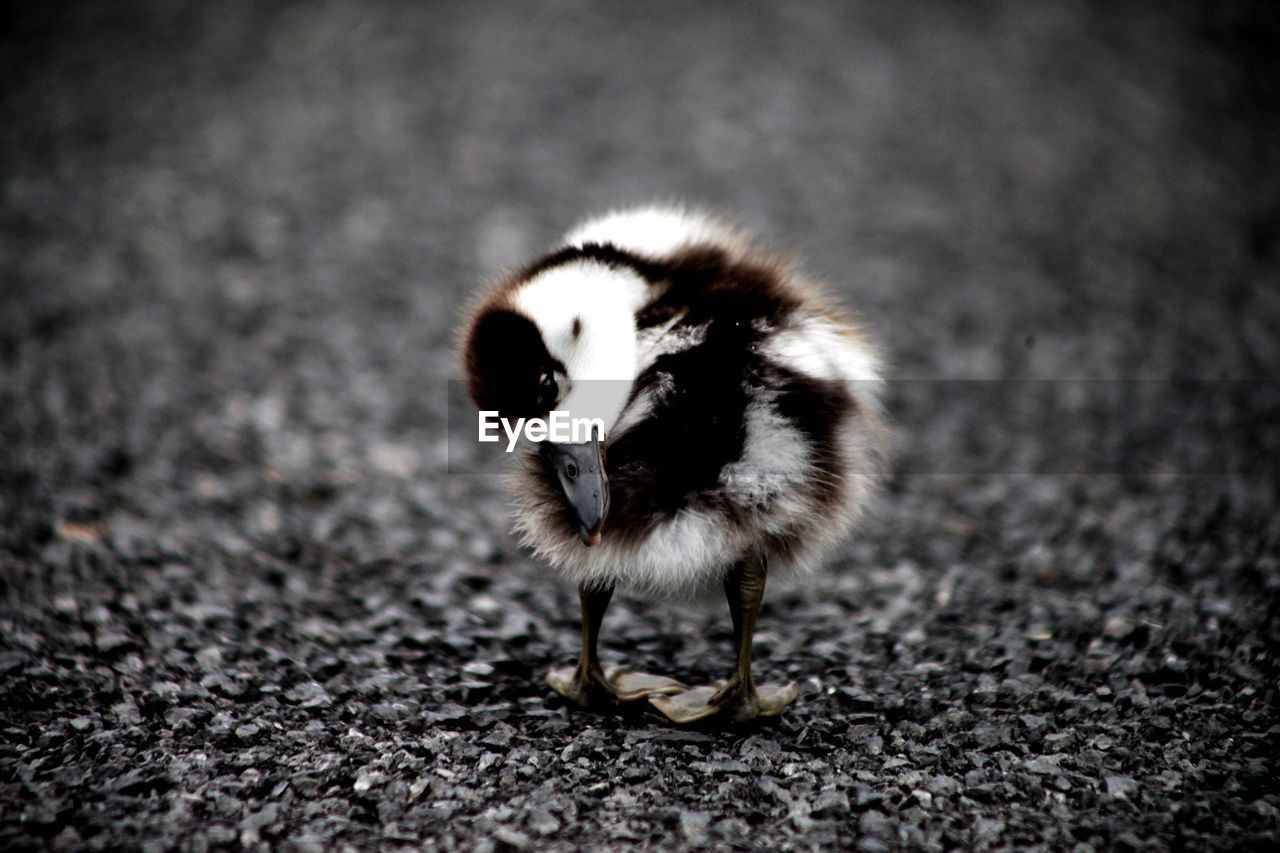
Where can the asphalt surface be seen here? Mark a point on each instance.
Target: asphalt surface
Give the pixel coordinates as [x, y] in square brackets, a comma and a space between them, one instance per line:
[247, 602]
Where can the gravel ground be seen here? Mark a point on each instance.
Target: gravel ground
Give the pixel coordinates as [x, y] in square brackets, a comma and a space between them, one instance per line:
[244, 602]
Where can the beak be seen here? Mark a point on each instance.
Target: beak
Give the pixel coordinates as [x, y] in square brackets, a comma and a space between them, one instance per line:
[580, 468]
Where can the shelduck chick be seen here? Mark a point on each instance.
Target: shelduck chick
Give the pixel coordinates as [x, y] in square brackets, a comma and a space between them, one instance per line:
[743, 431]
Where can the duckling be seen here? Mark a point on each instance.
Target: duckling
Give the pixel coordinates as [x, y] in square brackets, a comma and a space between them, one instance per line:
[742, 431]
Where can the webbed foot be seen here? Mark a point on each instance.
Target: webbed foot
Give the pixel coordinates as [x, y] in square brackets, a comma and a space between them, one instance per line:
[733, 700]
[595, 688]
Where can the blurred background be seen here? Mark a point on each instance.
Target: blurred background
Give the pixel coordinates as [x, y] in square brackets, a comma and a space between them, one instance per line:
[251, 229]
[236, 239]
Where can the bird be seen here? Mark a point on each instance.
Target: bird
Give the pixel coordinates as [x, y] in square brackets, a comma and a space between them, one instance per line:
[738, 430]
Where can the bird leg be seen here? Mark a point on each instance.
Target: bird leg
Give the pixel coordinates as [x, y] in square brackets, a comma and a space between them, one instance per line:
[738, 699]
[588, 684]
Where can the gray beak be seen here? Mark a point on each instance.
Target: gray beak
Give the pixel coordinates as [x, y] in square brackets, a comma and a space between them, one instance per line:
[580, 468]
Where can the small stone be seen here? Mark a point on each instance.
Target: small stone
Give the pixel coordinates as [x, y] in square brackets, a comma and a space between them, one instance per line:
[874, 823]
[309, 843]
[694, 826]
[511, 838]
[988, 830]
[367, 781]
[1045, 765]
[480, 669]
[1120, 786]
[113, 643]
[543, 822]
[127, 712]
[1117, 627]
[389, 712]
[209, 658]
[942, 785]
[68, 839]
[309, 694]
[502, 734]
[831, 803]
[179, 716]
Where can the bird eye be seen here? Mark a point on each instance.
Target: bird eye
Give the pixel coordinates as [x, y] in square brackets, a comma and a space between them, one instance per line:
[548, 390]
[571, 471]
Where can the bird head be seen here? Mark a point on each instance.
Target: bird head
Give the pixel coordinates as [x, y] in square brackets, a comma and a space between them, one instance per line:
[560, 337]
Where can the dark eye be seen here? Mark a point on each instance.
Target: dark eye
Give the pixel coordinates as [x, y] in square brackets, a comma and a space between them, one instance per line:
[571, 471]
[548, 390]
